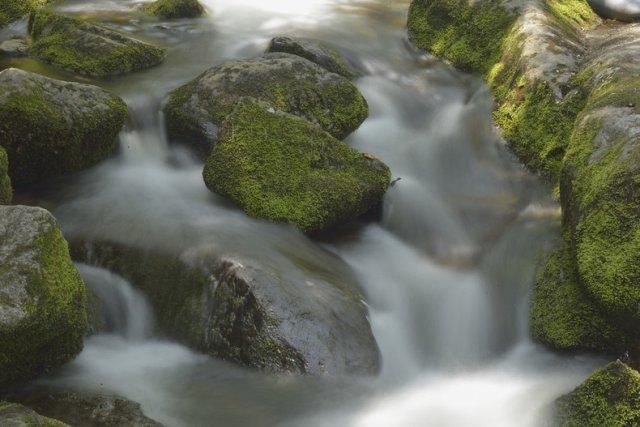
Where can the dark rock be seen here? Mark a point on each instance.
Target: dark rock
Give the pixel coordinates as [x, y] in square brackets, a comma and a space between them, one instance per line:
[50, 127]
[287, 82]
[316, 52]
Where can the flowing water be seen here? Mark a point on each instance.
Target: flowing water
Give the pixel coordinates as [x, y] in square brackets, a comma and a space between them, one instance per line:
[446, 273]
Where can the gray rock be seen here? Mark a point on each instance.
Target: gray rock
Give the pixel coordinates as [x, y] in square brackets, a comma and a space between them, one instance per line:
[236, 310]
[50, 127]
[289, 83]
[87, 48]
[88, 409]
[42, 297]
[14, 415]
[315, 51]
[622, 10]
[14, 47]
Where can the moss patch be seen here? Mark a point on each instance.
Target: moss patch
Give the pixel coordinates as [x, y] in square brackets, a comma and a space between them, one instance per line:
[10, 10]
[562, 315]
[470, 36]
[609, 397]
[282, 168]
[87, 48]
[171, 9]
[6, 192]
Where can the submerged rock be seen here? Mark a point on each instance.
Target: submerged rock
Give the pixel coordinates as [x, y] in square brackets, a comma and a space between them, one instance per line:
[609, 397]
[50, 127]
[89, 409]
[316, 52]
[282, 168]
[6, 192]
[87, 48]
[14, 47]
[236, 310]
[42, 297]
[287, 82]
[622, 10]
[172, 9]
[15, 415]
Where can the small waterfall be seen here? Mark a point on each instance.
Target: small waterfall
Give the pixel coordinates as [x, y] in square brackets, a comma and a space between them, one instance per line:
[122, 310]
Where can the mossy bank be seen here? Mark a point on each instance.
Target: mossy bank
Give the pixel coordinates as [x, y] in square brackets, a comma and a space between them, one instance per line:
[567, 107]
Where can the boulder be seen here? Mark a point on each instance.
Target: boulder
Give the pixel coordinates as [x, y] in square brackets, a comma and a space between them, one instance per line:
[42, 297]
[88, 409]
[86, 48]
[282, 168]
[609, 397]
[50, 127]
[172, 9]
[14, 47]
[234, 309]
[289, 83]
[316, 52]
[15, 415]
[6, 192]
[622, 10]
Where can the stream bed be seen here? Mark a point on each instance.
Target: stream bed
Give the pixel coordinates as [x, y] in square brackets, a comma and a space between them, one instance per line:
[446, 272]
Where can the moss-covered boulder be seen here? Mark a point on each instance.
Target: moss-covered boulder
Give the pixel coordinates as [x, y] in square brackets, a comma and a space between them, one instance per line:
[173, 9]
[42, 297]
[86, 48]
[315, 51]
[15, 415]
[50, 127]
[87, 409]
[289, 83]
[10, 10]
[565, 318]
[306, 322]
[282, 168]
[6, 192]
[609, 397]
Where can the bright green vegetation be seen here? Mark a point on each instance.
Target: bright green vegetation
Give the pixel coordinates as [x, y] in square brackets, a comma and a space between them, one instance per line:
[171, 9]
[562, 315]
[86, 48]
[44, 141]
[282, 168]
[13, 414]
[609, 397]
[53, 331]
[10, 10]
[470, 36]
[6, 192]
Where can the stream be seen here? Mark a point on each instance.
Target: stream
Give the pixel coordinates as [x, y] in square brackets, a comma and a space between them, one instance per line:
[446, 273]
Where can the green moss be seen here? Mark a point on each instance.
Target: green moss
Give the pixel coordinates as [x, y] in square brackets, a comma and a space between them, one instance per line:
[573, 12]
[537, 125]
[171, 9]
[282, 168]
[41, 143]
[10, 10]
[609, 397]
[604, 184]
[470, 36]
[53, 333]
[87, 48]
[562, 315]
[6, 192]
